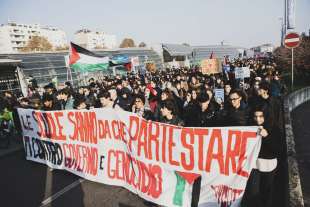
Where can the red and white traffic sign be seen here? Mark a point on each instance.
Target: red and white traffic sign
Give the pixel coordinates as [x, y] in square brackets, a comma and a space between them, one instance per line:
[292, 40]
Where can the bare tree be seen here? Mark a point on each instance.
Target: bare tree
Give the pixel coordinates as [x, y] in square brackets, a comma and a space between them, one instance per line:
[142, 44]
[186, 44]
[99, 47]
[127, 42]
[64, 48]
[38, 43]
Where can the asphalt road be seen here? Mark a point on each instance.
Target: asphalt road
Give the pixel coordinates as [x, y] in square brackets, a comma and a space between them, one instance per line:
[301, 128]
[30, 184]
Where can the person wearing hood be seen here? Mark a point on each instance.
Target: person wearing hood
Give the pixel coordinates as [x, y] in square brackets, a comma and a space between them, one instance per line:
[125, 100]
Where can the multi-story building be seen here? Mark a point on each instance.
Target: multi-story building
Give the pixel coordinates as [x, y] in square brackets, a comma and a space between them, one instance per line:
[94, 39]
[14, 36]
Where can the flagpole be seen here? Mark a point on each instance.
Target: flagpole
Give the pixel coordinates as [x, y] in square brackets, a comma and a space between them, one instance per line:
[70, 75]
[69, 71]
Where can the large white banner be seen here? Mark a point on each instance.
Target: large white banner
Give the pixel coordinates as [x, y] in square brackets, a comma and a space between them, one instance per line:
[159, 162]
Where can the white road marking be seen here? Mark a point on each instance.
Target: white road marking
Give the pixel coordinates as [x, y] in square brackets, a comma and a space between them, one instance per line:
[60, 193]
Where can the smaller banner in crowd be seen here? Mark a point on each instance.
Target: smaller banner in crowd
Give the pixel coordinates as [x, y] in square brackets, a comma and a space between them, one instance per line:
[135, 61]
[159, 162]
[242, 72]
[211, 66]
[226, 68]
[219, 95]
[175, 64]
[151, 67]
[120, 60]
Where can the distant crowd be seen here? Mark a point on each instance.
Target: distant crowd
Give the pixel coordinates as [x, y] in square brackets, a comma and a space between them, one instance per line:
[184, 97]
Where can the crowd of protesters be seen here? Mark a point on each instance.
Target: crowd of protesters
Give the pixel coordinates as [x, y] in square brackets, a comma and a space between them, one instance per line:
[185, 97]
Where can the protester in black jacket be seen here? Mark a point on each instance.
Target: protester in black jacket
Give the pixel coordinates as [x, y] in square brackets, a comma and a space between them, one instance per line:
[168, 112]
[49, 103]
[271, 105]
[80, 103]
[259, 188]
[140, 110]
[207, 114]
[125, 101]
[213, 102]
[227, 89]
[166, 95]
[191, 107]
[25, 103]
[89, 97]
[238, 113]
[273, 114]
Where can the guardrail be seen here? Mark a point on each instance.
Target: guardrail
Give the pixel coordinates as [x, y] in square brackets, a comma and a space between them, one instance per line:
[292, 101]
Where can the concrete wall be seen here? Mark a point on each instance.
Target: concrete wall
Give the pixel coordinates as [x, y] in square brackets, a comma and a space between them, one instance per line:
[292, 101]
[298, 97]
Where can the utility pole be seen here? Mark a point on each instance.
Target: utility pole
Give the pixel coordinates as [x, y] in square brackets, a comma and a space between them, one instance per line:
[285, 16]
[282, 31]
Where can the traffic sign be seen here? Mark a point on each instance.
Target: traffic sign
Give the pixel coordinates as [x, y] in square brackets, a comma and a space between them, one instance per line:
[292, 40]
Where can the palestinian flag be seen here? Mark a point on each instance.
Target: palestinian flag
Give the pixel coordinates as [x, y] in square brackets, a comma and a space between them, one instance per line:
[119, 60]
[83, 60]
[123, 60]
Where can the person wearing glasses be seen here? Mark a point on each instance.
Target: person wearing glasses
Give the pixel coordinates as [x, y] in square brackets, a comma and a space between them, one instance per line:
[140, 110]
[238, 112]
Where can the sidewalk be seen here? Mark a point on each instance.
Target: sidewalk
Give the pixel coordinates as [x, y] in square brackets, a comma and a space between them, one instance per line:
[15, 145]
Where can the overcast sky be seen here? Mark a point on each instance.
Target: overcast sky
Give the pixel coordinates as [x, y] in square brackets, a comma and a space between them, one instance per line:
[244, 23]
